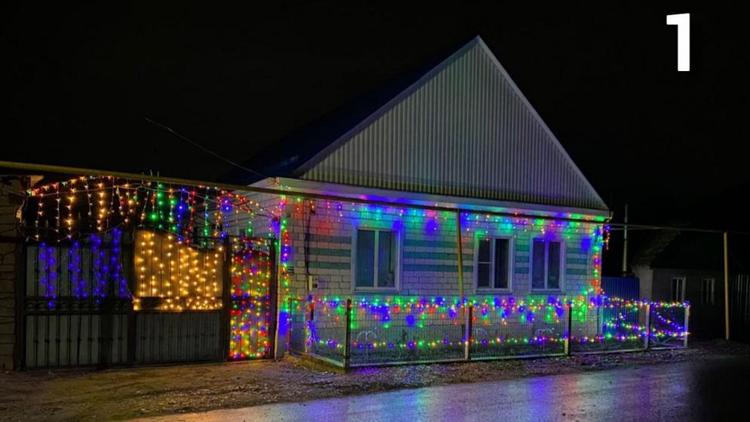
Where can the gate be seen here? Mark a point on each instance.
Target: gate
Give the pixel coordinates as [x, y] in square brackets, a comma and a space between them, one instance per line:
[76, 303]
[204, 302]
[147, 298]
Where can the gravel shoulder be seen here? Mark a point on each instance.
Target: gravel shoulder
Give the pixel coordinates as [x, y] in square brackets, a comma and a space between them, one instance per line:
[125, 393]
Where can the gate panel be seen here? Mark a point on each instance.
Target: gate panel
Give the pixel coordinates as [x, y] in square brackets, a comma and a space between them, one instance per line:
[75, 306]
[177, 337]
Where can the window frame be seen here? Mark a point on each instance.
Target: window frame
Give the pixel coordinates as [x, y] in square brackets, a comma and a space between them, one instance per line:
[374, 288]
[683, 283]
[510, 259]
[712, 282]
[563, 254]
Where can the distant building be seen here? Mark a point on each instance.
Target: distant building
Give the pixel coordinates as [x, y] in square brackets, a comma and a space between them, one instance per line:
[674, 266]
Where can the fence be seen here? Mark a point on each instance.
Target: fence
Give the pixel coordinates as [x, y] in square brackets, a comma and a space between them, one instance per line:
[360, 331]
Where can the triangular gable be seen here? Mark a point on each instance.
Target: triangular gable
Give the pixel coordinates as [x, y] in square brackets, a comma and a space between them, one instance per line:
[463, 129]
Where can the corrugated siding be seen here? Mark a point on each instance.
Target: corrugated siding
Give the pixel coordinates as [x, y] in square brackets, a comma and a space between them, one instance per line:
[622, 287]
[466, 131]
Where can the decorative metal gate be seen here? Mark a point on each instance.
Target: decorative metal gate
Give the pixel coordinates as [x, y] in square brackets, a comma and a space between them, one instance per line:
[188, 302]
[76, 303]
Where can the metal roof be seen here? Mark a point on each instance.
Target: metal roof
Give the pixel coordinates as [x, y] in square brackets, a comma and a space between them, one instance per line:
[460, 128]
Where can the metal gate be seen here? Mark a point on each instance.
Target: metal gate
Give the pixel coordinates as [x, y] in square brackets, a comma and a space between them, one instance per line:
[151, 299]
[76, 303]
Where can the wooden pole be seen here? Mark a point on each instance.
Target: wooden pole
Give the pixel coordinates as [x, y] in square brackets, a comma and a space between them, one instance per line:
[726, 286]
[460, 251]
[647, 339]
[625, 244]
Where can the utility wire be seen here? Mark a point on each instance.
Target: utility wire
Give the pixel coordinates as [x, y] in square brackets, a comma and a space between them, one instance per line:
[202, 148]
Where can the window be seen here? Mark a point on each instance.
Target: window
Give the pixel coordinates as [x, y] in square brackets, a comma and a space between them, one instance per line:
[493, 263]
[546, 264]
[678, 289]
[708, 287]
[376, 256]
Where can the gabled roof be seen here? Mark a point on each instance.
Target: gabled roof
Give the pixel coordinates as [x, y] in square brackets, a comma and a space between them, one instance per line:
[460, 127]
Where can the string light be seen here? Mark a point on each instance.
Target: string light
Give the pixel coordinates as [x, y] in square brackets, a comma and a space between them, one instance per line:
[182, 277]
[422, 321]
[251, 307]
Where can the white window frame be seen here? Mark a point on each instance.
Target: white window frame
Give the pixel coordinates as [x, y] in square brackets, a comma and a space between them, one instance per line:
[711, 281]
[375, 288]
[683, 284]
[563, 256]
[511, 261]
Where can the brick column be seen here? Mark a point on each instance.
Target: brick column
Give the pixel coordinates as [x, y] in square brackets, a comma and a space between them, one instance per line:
[10, 267]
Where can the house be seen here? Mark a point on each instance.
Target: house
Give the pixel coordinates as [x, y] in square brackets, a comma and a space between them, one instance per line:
[686, 266]
[445, 184]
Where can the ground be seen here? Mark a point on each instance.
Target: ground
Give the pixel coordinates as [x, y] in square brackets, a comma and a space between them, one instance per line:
[150, 391]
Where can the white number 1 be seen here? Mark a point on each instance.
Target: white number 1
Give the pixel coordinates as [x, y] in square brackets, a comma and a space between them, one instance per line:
[682, 21]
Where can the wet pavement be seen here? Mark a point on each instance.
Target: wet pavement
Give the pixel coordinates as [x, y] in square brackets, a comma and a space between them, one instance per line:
[711, 390]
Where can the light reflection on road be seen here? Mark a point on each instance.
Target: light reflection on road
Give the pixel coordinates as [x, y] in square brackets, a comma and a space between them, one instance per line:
[683, 391]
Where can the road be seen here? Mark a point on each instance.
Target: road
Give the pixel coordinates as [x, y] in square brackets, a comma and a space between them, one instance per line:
[713, 390]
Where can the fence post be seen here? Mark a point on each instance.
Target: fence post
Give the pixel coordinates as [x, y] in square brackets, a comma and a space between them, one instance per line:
[468, 324]
[308, 323]
[348, 336]
[687, 320]
[647, 339]
[569, 328]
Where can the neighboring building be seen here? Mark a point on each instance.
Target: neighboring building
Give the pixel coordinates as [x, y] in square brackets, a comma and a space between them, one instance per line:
[460, 135]
[675, 266]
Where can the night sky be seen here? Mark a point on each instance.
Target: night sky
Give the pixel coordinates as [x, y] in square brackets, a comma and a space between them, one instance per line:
[79, 81]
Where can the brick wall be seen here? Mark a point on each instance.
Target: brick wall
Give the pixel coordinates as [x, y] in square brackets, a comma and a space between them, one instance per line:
[9, 261]
[428, 259]
[428, 255]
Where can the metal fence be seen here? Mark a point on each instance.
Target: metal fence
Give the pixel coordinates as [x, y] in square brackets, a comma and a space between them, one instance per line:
[360, 331]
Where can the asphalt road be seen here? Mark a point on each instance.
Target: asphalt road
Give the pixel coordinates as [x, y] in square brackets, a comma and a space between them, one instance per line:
[713, 390]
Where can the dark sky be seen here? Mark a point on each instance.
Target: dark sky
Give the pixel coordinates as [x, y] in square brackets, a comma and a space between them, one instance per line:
[80, 79]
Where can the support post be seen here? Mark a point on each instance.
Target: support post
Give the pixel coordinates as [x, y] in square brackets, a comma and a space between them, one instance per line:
[687, 320]
[20, 304]
[569, 332]
[273, 292]
[468, 336]
[726, 286]
[226, 300]
[133, 286]
[647, 339]
[625, 244]
[348, 336]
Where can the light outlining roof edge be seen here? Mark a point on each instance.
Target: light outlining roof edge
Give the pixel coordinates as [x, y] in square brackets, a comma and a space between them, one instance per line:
[396, 198]
[69, 170]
